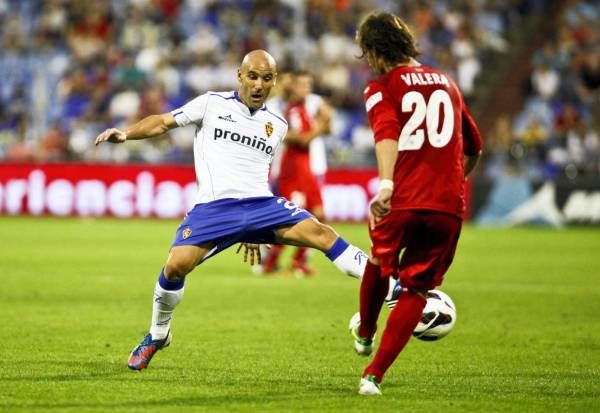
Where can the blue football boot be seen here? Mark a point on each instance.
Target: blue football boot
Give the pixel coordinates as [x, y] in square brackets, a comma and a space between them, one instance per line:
[142, 354]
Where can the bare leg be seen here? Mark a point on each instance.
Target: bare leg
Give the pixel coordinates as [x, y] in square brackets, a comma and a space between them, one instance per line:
[313, 234]
[300, 264]
[308, 233]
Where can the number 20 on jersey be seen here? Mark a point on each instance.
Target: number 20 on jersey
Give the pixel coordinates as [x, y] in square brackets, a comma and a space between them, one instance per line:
[425, 117]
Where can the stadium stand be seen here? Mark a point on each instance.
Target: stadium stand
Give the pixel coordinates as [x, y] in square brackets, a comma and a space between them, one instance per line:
[69, 68]
[556, 132]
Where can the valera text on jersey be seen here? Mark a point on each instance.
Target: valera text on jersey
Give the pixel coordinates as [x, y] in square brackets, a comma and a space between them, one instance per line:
[421, 79]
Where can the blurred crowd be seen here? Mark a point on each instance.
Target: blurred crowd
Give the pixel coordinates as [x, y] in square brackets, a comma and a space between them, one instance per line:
[558, 131]
[71, 68]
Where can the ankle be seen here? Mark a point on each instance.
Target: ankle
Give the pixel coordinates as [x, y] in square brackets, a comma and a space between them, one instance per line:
[372, 378]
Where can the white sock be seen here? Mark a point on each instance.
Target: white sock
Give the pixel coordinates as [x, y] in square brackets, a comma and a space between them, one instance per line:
[164, 304]
[390, 298]
[352, 261]
[390, 293]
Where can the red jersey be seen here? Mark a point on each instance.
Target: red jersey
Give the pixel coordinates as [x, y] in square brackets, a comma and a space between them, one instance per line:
[296, 181]
[424, 111]
[295, 161]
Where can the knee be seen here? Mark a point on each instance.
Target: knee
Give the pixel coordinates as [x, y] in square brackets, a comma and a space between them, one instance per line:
[177, 269]
[318, 213]
[324, 237]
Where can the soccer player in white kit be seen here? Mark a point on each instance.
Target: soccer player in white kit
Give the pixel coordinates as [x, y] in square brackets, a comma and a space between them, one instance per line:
[236, 138]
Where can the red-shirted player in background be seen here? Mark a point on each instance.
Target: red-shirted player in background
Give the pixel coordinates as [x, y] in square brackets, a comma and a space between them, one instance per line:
[426, 143]
[309, 117]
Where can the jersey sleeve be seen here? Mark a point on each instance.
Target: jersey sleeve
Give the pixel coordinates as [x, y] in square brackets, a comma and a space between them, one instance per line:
[191, 112]
[381, 112]
[473, 144]
[284, 131]
[314, 103]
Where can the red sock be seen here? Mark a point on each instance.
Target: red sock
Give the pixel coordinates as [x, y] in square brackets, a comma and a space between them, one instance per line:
[402, 321]
[373, 289]
[270, 263]
[300, 254]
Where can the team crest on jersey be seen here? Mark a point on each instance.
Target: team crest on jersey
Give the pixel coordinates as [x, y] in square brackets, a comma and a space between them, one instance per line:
[186, 233]
[269, 129]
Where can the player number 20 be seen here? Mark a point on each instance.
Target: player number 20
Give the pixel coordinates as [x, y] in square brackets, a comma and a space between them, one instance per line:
[412, 135]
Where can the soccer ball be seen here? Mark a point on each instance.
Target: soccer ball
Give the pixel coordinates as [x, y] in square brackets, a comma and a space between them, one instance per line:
[438, 318]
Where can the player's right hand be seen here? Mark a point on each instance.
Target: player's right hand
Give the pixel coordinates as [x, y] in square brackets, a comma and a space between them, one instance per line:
[380, 206]
[251, 252]
[111, 135]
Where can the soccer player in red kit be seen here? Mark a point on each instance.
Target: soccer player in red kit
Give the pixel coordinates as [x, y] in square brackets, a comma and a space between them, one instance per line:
[426, 143]
[309, 117]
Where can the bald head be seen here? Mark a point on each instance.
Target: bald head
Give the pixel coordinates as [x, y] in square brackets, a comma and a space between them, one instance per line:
[259, 59]
[256, 75]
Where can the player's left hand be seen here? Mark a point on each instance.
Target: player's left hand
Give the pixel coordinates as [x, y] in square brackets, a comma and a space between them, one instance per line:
[380, 206]
[251, 252]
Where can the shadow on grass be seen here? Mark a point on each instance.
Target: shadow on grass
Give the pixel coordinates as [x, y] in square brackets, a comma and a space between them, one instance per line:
[211, 402]
[238, 389]
[80, 370]
[152, 403]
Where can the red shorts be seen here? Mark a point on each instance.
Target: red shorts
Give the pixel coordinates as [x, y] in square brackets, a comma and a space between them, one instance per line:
[429, 240]
[304, 192]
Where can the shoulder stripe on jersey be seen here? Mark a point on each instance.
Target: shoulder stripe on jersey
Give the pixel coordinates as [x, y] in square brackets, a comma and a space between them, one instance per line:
[278, 117]
[177, 112]
[373, 100]
[221, 96]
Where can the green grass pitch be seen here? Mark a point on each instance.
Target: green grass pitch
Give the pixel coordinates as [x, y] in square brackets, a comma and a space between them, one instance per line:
[76, 297]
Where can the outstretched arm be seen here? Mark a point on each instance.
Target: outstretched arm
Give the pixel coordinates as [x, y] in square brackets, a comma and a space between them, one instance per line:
[149, 127]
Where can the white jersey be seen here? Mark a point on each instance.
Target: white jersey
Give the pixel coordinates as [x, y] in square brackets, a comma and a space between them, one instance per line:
[317, 152]
[316, 147]
[233, 147]
[317, 156]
